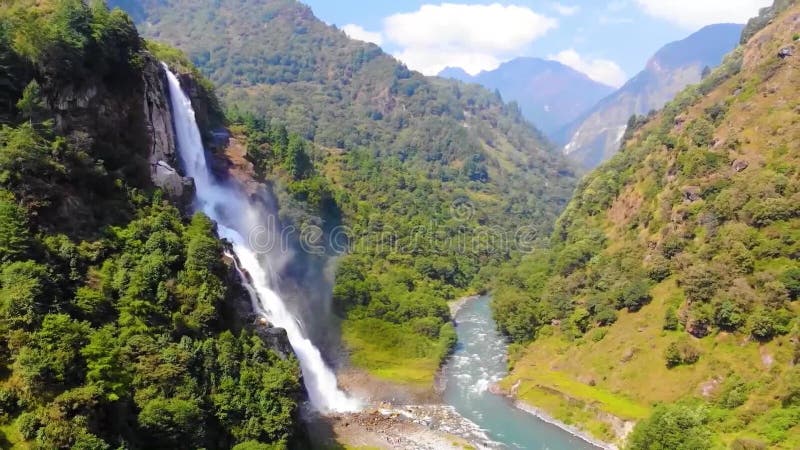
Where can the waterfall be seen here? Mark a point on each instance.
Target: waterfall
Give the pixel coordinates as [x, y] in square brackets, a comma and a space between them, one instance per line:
[235, 216]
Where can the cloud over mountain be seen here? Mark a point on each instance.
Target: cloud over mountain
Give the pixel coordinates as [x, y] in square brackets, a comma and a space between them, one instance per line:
[694, 13]
[475, 37]
[601, 70]
[358, 32]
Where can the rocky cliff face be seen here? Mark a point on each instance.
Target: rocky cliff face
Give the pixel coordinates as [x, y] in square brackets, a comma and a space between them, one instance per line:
[162, 151]
[120, 117]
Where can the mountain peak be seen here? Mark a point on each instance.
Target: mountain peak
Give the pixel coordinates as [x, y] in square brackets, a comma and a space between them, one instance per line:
[597, 136]
[549, 93]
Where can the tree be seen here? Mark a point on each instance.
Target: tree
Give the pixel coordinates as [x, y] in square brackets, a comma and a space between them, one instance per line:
[729, 316]
[670, 320]
[174, 422]
[296, 160]
[52, 354]
[700, 283]
[25, 293]
[762, 325]
[791, 280]
[681, 352]
[673, 427]
[634, 295]
[14, 234]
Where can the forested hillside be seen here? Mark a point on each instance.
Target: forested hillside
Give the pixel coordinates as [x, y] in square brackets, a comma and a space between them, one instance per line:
[437, 182]
[670, 289]
[118, 319]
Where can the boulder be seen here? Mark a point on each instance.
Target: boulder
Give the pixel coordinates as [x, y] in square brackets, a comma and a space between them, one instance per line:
[786, 52]
[179, 189]
[276, 339]
[698, 328]
[691, 194]
[739, 165]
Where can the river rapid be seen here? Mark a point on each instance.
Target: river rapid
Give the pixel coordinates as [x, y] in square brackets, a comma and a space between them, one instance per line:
[478, 362]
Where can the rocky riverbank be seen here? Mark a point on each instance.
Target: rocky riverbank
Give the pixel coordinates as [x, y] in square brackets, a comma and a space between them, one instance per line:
[543, 416]
[425, 427]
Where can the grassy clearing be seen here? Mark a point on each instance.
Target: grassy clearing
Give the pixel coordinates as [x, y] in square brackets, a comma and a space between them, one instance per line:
[10, 438]
[625, 374]
[391, 353]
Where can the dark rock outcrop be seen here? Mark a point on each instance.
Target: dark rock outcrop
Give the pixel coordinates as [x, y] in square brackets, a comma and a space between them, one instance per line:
[276, 339]
[691, 194]
[740, 165]
[162, 150]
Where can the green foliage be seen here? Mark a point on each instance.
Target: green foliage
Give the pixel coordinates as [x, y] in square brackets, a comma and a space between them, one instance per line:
[15, 237]
[700, 283]
[172, 422]
[791, 279]
[673, 427]
[253, 445]
[700, 132]
[733, 393]
[681, 353]
[634, 295]
[117, 316]
[671, 322]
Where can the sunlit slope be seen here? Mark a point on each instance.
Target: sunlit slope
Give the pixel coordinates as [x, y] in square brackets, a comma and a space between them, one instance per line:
[674, 271]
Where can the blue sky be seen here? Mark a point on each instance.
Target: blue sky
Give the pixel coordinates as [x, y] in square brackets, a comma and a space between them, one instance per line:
[610, 41]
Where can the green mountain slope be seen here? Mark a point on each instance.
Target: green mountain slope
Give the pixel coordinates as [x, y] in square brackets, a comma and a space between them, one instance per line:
[673, 274]
[437, 181]
[119, 325]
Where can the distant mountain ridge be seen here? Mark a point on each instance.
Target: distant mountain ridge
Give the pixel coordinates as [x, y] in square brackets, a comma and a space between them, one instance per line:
[597, 136]
[551, 95]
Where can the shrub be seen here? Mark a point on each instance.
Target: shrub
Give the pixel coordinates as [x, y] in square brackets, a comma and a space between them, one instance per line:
[700, 283]
[763, 326]
[634, 295]
[28, 424]
[672, 245]
[606, 316]
[659, 268]
[791, 279]
[598, 334]
[670, 320]
[733, 394]
[681, 353]
[701, 132]
[673, 427]
[729, 316]
[254, 445]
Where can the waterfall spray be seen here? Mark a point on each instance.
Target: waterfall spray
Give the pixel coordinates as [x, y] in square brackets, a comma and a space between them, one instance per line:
[230, 208]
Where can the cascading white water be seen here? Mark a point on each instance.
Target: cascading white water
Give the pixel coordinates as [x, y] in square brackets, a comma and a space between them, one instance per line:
[235, 216]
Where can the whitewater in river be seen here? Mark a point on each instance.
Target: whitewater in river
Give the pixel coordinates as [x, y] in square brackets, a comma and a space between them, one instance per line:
[236, 218]
[479, 361]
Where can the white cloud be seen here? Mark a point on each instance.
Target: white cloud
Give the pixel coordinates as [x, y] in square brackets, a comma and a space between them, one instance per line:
[357, 32]
[698, 13]
[601, 70]
[566, 10]
[473, 37]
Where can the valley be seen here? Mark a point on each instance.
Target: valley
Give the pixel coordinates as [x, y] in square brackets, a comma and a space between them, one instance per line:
[231, 224]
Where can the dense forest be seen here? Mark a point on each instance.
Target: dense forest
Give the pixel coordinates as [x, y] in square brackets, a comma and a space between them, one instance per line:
[680, 258]
[118, 319]
[437, 182]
